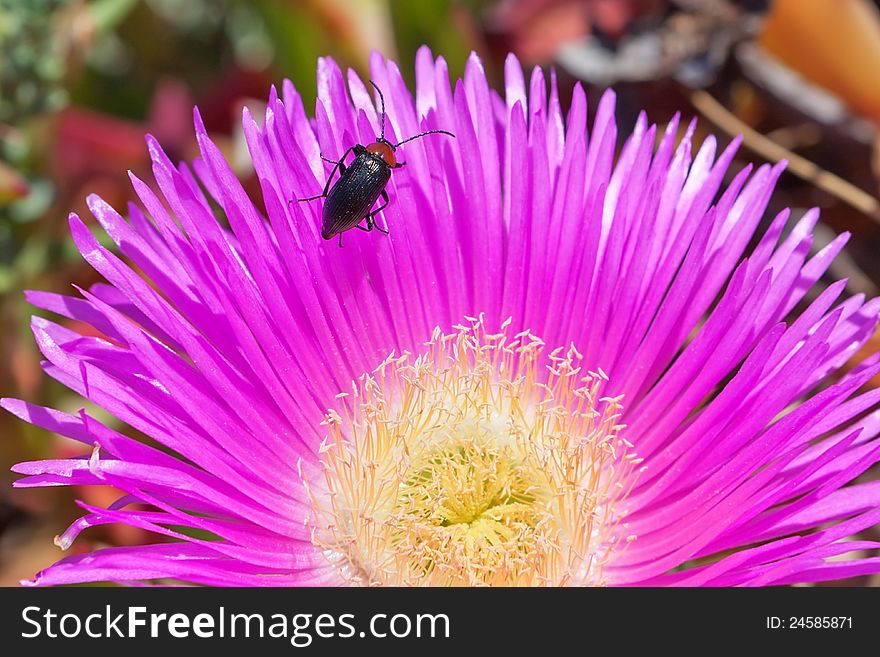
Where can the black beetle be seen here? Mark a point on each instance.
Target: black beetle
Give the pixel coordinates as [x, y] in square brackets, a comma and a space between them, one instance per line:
[361, 183]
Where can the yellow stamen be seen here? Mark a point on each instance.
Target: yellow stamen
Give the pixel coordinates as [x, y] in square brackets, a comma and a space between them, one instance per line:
[474, 465]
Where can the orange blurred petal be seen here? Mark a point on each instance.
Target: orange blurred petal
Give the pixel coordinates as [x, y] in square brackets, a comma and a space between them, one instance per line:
[835, 43]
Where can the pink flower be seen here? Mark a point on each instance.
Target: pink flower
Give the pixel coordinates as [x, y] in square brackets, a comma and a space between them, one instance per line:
[569, 368]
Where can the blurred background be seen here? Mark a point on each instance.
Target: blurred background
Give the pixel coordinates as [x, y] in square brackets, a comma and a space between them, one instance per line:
[81, 81]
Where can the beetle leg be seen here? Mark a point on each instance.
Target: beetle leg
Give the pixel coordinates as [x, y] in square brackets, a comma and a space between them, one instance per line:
[340, 240]
[370, 217]
[399, 165]
[381, 207]
[338, 165]
[371, 224]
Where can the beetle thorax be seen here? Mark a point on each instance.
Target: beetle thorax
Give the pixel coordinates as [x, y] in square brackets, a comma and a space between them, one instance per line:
[383, 150]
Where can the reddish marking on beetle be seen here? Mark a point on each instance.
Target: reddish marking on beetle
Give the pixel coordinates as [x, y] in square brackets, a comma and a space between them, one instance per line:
[383, 150]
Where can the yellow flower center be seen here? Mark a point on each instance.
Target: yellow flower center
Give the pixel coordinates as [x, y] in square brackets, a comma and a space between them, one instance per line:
[481, 462]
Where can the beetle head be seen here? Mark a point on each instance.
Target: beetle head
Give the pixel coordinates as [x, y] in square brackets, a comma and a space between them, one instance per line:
[384, 149]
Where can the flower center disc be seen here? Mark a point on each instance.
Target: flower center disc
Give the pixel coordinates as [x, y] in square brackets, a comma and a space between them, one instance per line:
[474, 465]
[471, 507]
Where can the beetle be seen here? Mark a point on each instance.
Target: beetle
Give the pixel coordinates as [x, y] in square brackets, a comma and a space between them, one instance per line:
[361, 183]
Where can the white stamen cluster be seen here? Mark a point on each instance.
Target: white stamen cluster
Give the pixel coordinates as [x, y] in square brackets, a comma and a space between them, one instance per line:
[480, 462]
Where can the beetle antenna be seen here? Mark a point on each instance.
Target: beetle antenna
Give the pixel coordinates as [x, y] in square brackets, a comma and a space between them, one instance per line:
[382, 98]
[422, 134]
